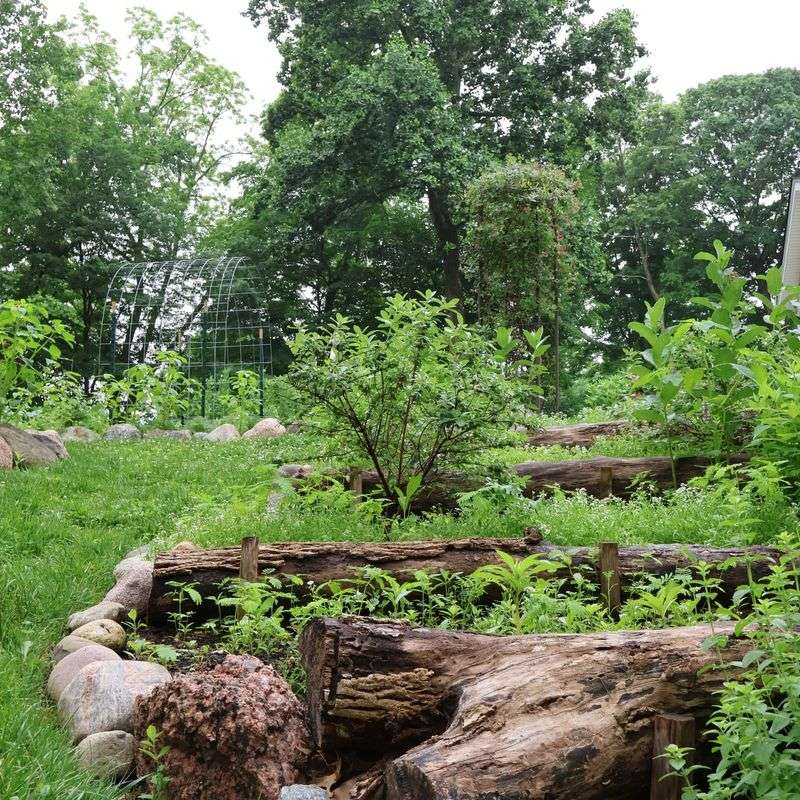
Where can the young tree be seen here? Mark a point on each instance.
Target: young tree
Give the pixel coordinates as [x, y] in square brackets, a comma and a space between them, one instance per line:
[415, 98]
[422, 393]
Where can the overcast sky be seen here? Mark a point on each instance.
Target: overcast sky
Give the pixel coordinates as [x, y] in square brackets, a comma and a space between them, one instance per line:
[690, 41]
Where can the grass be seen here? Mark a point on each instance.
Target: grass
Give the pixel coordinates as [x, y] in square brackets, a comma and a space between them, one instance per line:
[62, 530]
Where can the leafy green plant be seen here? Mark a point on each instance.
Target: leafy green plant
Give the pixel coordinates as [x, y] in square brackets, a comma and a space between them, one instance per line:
[29, 342]
[181, 618]
[754, 730]
[659, 373]
[421, 394]
[514, 577]
[158, 779]
[160, 393]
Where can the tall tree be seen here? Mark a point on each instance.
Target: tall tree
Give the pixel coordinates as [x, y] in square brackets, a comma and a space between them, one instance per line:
[716, 164]
[102, 169]
[416, 97]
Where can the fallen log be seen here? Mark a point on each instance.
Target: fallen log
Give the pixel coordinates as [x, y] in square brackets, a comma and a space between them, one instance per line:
[465, 716]
[601, 476]
[319, 562]
[583, 434]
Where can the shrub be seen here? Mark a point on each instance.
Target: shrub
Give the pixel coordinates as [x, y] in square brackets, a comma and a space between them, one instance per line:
[29, 344]
[423, 393]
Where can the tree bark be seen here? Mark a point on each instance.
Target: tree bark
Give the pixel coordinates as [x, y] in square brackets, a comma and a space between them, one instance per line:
[469, 717]
[582, 435]
[318, 562]
[450, 240]
[569, 476]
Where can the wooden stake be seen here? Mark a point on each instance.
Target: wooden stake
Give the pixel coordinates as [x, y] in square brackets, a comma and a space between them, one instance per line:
[610, 583]
[357, 485]
[248, 566]
[606, 481]
[669, 729]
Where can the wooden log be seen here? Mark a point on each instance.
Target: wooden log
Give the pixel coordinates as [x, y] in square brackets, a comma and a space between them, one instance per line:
[669, 729]
[610, 578]
[324, 561]
[465, 716]
[600, 477]
[248, 564]
[583, 434]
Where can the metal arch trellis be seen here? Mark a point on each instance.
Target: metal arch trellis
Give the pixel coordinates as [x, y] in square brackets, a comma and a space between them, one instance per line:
[213, 311]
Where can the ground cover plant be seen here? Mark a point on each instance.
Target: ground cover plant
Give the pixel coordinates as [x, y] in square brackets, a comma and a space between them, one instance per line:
[67, 526]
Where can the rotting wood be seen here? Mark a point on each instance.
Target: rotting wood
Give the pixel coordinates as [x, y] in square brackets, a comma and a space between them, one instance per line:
[539, 716]
[583, 434]
[324, 561]
[541, 477]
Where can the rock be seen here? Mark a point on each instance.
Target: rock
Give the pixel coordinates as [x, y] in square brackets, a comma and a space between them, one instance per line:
[295, 427]
[55, 438]
[6, 455]
[185, 545]
[101, 697]
[224, 433]
[302, 791]
[109, 754]
[139, 552]
[200, 435]
[296, 470]
[268, 428]
[159, 433]
[69, 644]
[32, 449]
[122, 431]
[77, 433]
[234, 731]
[72, 664]
[103, 610]
[134, 581]
[102, 631]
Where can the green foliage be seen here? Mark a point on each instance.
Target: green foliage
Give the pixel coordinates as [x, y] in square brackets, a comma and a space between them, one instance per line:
[754, 730]
[404, 102]
[715, 164]
[711, 373]
[29, 343]
[108, 160]
[524, 250]
[421, 394]
[146, 393]
[159, 781]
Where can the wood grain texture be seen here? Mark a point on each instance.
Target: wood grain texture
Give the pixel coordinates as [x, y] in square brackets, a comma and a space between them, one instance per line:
[584, 434]
[468, 717]
[324, 561]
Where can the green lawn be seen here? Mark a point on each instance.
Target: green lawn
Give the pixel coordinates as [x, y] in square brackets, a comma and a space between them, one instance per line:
[62, 529]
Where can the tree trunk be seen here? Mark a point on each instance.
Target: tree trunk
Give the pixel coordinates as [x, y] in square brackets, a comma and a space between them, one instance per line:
[582, 435]
[570, 476]
[470, 717]
[450, 240]
[324, 561]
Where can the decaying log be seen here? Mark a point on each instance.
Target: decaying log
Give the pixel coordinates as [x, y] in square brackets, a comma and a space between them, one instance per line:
[599, 477]
[468, 717]
[323, 561]
[583, 434]
[319, 562]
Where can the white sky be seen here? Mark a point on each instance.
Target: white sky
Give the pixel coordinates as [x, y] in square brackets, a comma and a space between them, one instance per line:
[690, 41]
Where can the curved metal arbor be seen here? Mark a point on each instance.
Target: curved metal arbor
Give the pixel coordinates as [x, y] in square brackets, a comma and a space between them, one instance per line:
[214, 311]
